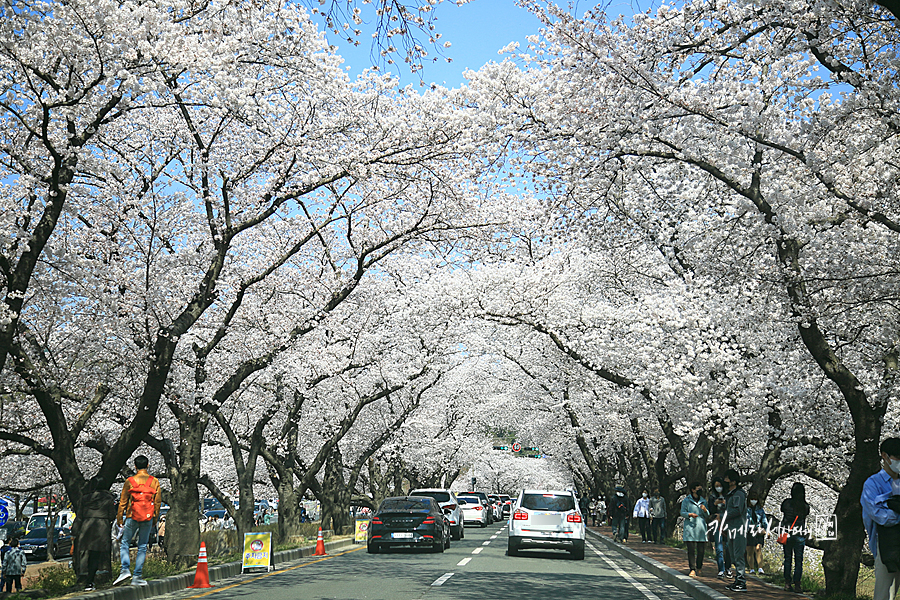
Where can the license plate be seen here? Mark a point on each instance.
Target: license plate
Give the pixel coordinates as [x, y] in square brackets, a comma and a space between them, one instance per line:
[402, 535]
[28, 551]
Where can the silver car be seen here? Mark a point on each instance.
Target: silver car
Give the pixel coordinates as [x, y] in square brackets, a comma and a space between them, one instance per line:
[547, 519]
[447, 500]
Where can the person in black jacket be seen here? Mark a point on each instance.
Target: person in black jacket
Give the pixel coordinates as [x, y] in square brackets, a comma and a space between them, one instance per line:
[795, 510]
[91, 531]
[620, 510]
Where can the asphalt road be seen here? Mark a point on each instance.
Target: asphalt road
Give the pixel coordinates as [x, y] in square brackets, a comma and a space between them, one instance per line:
[475, 567]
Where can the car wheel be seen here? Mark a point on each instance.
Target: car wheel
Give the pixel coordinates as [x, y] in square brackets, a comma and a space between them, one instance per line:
[438, 546]
[447, 542]
[483, 524]
[578, 552]
[462, 531]
[372, 548]
[512, 549]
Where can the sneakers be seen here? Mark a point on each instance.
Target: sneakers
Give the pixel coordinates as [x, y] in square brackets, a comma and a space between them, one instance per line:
[761, 572]
[737, 587]
[721, 575]
[89, 588]
[123, 576]
[139, 582]
[751, 571]
[692, 573]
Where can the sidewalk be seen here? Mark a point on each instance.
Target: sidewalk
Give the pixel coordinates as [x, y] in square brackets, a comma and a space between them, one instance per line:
[671, 565]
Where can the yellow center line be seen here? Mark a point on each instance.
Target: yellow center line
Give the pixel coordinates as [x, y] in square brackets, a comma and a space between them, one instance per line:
[234, 585]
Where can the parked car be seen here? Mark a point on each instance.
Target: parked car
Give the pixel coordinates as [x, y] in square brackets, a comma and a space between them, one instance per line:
[416, 521]
[39, 520]
[34, 544]
[473, 510]
[485, 501]
[506, 505]
[447, 500]
[547, 519]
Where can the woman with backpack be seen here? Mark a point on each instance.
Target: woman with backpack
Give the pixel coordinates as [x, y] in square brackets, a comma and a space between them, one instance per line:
[138, 507]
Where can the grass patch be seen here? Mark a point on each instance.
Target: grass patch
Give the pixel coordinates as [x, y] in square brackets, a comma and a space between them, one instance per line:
[55, 580]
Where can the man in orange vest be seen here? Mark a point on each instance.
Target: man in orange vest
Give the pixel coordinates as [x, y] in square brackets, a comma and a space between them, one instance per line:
[138, 507]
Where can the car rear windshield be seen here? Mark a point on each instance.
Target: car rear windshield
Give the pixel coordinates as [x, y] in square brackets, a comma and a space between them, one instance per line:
[439, 496]
[469, 499]
[403, 505]
[548, 502]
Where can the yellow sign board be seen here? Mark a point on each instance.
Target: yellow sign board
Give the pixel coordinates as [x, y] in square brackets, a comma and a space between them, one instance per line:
[257, 551]
[362, 531]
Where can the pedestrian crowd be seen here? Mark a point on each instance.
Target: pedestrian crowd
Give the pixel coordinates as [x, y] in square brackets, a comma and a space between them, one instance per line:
[730, 522]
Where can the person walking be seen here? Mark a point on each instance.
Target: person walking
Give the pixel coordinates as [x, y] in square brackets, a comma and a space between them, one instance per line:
[91, 531]
[716, 505]
[757, 526]
[795, 510]
[881, 513]
[620, 510]
[4, 548]
[14, 565]
[734, 532]
[642, 514]
[161, 532]
[138, 507]
[695, 512]
[657, 518]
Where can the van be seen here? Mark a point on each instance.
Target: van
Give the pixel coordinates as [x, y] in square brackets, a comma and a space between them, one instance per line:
[38, 520]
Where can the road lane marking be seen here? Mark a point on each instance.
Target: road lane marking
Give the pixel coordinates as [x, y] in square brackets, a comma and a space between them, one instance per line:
[440, 580]
[464, 561]
[477, 550]
[234, 585]
[640, 586]
[494, 537]
[486, 543]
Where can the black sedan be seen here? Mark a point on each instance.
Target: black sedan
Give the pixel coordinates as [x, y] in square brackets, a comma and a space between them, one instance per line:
[415, 521]
[34, 543]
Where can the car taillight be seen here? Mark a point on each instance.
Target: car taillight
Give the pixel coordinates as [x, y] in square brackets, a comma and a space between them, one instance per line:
[377, 521]
[479, 507]
[574, 518]
[428, 521]
[451, 506]
[520, 515]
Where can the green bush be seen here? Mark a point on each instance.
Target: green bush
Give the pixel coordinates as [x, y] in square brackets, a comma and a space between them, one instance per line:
[55, 580]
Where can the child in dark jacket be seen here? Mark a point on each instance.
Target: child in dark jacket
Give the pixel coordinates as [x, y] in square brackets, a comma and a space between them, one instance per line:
[14, 565]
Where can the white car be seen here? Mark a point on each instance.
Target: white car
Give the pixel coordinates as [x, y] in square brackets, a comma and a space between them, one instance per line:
[547, 519]
[474, 510]
[447, 501]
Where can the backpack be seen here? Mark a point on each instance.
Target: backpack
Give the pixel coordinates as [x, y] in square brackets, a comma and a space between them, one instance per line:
[621, 505]
[142, 504]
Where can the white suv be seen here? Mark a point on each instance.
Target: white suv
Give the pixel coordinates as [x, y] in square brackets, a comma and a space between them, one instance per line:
[547, 519]
[447, 500]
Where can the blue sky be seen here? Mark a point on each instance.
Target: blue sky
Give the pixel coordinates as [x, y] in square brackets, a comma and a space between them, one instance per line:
[476, 31]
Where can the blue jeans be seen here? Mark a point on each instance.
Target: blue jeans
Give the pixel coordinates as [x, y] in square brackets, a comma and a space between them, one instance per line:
[620, 528]
[143, 531]
[793, 549]
[658, 529]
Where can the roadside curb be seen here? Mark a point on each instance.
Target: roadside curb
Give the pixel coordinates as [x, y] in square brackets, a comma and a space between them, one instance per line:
[175, 583]
[691, 587]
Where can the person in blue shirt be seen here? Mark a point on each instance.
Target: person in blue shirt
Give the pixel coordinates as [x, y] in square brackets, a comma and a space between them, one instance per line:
[877, 490]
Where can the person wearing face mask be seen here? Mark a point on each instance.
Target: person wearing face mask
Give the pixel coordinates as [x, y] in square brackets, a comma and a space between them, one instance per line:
[881, 514]
[657, 518]
[716, 505]
[642, 514]
[620, 510]
[795, 510]
[757, 525]
[695, 512]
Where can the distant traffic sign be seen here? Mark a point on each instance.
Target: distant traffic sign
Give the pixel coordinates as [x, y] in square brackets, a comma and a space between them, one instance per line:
[4, 515]
[516, 446]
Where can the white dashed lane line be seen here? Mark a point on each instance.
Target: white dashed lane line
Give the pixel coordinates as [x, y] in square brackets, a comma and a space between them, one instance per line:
[486, 543]
[464, 561]
[623, 574]
[477, 550]
[440, 580]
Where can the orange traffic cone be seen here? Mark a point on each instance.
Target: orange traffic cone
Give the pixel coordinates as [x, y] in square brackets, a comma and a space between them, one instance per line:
[320, 545]
[201, 577]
